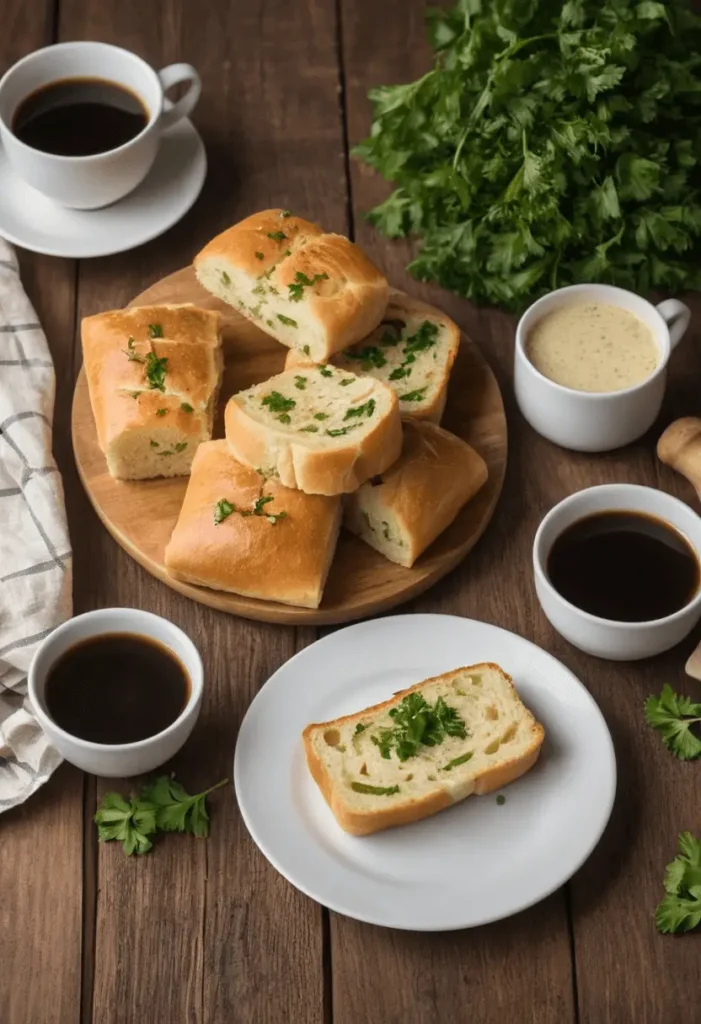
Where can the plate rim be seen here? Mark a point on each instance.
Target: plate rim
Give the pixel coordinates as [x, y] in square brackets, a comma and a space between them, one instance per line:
[65, 252]
[437, 927]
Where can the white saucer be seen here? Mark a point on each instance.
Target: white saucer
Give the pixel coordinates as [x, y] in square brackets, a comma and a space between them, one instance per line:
[32, 221]
[477, 861]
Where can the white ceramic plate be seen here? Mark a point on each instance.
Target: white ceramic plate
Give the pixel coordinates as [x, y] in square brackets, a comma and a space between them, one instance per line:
[34, 222]
[477, 861]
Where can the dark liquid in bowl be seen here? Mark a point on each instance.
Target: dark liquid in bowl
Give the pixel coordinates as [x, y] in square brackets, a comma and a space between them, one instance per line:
[624, 566]
[117, 688]
[79, 117]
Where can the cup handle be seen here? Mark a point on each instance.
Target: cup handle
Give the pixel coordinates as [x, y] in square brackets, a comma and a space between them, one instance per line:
[171, 76]
[676, 315]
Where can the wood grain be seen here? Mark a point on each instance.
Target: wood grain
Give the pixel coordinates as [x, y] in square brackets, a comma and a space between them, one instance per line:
[41, 842]
[141, 515]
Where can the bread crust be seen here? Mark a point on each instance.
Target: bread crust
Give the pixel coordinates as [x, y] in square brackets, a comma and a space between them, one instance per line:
[287, 561]
[346, 305]
[336, 470]
[361, 823]
[400, 305]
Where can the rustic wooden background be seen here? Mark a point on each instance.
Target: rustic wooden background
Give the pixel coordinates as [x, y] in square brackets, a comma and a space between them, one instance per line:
[207, 932]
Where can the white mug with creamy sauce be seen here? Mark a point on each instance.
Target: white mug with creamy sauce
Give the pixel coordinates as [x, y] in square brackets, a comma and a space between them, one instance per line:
[591, 364]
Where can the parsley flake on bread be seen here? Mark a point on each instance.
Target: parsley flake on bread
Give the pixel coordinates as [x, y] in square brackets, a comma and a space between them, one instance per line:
[462, 733]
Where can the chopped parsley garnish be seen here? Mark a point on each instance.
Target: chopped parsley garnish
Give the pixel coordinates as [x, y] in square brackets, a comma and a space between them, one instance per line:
[306, 350]
[285, 214]
[311, 429]
[222, 510]
[161, 412]
[181, 446]
[260, 502]
[155, 331]
[400, 372]
[168, 451]
[345, 381]
[186, 407]
[359, 728]
[131, 354]
[321, 416]
[425, 337]
[361, 787]
[154, 444]
[369, 357]
[258, 290]
[301, 282]
[340, 432]
[416, 723]
[277, 236]
[225, 279]
[367, 409]
[284, 417]
[278, 403]
[135, 394]
[287, 320]
[259, 256]
[156, 371]
[414, 396]
[176, 449]
[501, 799]
[463, 759]
[270, 323]
[325, 372]
[301, 383]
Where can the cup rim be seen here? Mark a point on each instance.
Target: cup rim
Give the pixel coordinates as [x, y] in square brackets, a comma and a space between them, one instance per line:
[593, 395]
[539, 562]
[137, 615]
[83, 44]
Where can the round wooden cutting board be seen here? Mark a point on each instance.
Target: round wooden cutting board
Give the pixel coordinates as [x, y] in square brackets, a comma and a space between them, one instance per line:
[141, 515]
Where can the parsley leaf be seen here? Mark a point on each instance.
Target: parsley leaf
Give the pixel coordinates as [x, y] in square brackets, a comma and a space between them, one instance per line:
[674, 716]
[301, 282]
[285, 214]
[680, 910]
[155, 331]
[222, 510]
[287, 320]
[277, 236]
[259, 256]
[463, 759]
[130, 352]
[369, 357]
[175, 810]
[414, 396]
[225, 277]
[367, 409]
[156, 371]
[132, 822]
[186, 407]
[301, 383]
[416, 723]
[346, 381]
[362, 787]
[278, 403]
[161, 412]
[321, 416]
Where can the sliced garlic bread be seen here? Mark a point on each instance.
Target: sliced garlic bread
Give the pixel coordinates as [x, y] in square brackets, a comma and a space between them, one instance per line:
[412, 350]
[426, 748]
[307, 288]
[402, 511]
[320, 430]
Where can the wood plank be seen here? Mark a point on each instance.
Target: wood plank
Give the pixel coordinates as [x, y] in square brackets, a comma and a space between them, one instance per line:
[40, 908]
[489, 970]
[205, 931]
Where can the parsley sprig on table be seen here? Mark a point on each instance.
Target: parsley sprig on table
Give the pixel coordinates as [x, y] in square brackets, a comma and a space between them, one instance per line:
[680, 910]
[550, 143]
[675, 717]
[416, 722]
[162, 806]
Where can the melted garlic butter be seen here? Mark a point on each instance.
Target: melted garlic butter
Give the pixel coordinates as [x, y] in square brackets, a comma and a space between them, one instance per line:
[592, 346]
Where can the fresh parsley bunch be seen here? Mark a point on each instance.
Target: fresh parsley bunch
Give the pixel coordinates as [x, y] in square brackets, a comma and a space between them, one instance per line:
[552, 143]
[162, 806]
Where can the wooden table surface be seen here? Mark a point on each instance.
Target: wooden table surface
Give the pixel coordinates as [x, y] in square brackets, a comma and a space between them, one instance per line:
[206, 931]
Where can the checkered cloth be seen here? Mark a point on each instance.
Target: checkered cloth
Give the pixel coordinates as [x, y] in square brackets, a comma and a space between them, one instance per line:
[35, 553]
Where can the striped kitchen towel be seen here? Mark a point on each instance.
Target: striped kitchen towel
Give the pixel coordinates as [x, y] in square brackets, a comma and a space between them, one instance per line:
[35, 554]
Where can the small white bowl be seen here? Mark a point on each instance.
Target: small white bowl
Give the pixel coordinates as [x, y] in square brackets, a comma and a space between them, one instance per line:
[590, 421]
[118, 759]
[605, 638]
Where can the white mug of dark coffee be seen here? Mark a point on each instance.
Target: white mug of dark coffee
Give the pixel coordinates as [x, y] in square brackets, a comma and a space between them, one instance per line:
[81, 122]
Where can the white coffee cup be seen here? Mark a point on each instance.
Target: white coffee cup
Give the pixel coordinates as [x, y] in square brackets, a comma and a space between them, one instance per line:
[116, 759]
[588, 421]
[605, 638]
[90, 182]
